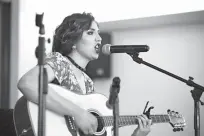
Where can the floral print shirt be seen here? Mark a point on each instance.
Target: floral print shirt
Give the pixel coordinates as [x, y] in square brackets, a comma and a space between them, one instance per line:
[63, 72]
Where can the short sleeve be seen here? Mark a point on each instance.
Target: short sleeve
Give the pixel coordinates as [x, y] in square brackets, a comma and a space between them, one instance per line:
[58, 63]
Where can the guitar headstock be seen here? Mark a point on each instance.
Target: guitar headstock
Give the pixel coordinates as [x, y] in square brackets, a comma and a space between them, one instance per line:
[177, 121]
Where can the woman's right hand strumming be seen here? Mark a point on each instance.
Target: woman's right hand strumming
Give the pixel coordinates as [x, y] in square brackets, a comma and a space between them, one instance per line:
[86, 122]
[28, 85]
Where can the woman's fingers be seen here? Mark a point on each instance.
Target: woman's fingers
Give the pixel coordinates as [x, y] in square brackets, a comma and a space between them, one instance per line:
[140, 122]
[143, 121]
[149, 122]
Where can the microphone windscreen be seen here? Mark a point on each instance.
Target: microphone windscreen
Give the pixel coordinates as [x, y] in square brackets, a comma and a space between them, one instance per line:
[106, 49]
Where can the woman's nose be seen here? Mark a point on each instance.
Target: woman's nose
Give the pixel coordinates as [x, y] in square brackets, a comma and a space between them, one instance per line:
[98, 38]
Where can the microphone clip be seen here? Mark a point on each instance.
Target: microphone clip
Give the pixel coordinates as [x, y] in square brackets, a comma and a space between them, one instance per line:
[135, 57]
[39, 23]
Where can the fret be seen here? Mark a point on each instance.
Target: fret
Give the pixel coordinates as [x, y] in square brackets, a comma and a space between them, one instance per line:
[125, 121]
[121, 121]
[167, 118]
[105, 121]
[132, 120]
[163, 118]
[154, 119]
[158, 118]
[110, 120]
[129, 119]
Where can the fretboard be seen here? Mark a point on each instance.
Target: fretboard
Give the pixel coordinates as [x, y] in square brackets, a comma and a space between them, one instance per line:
[132, 120]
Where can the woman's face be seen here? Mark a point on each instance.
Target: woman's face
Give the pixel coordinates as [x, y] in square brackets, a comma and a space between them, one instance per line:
[89, 44]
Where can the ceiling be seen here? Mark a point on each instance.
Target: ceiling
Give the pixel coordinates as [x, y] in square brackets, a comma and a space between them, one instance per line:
[182, 18]
[112, 10]
[5, 0]
[126, 14]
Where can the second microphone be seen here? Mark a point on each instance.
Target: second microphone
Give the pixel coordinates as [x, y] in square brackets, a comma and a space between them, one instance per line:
[114, 90]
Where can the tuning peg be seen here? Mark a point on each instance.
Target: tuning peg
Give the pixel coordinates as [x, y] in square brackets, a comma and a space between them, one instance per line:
[49, 40]
[191, 78]
[168, 110]
[202, 103]
[177, 114]
[178, 129]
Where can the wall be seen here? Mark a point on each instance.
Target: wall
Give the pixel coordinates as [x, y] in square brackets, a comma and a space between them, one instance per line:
[175, 48]
[14, 58]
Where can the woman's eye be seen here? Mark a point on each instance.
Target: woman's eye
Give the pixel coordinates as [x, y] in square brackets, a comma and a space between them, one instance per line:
[90, 33]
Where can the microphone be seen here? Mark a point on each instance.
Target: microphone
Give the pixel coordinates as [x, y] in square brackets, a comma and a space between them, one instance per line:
[114, 90]
[108, 49]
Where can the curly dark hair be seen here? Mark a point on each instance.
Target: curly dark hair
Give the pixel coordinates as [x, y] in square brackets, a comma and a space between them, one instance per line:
[70, 31]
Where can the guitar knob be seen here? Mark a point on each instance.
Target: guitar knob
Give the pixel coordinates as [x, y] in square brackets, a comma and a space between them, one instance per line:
[181, 129]
[174, 129]
[168, 110]
[178, 129]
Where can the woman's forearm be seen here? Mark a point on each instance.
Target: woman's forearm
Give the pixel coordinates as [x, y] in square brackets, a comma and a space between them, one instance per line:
[54, 101]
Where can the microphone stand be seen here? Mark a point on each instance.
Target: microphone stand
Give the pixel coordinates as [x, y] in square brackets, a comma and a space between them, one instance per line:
[116, 105]
[196, 92]
[43, 81]
[115, 117]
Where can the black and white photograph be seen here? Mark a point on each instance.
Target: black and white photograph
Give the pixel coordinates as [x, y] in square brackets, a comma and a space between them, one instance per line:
[101, 68]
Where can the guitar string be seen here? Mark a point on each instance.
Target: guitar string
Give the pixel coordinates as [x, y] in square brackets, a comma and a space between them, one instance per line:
[123, 120]
[108, 120]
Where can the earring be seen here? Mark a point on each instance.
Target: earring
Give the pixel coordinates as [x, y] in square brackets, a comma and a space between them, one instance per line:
[73, 47]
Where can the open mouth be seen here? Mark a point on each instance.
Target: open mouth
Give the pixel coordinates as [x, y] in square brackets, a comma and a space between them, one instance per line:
[97, 47]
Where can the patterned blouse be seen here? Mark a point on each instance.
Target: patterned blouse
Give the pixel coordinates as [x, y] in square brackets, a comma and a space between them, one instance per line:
[64, 73]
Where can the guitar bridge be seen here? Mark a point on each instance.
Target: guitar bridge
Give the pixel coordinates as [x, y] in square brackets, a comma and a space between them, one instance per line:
[70, 122]
[70, 125]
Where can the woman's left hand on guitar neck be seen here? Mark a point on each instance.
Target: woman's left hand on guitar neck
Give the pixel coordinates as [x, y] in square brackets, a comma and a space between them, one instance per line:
[144, 125]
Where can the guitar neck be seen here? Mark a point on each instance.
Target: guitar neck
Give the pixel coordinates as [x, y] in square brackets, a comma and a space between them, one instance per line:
[132, 120]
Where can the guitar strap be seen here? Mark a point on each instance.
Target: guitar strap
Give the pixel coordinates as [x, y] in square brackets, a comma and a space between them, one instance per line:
[55, 81]
[22, 121]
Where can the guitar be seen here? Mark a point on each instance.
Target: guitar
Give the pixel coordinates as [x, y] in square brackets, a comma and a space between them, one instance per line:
[26, 116]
